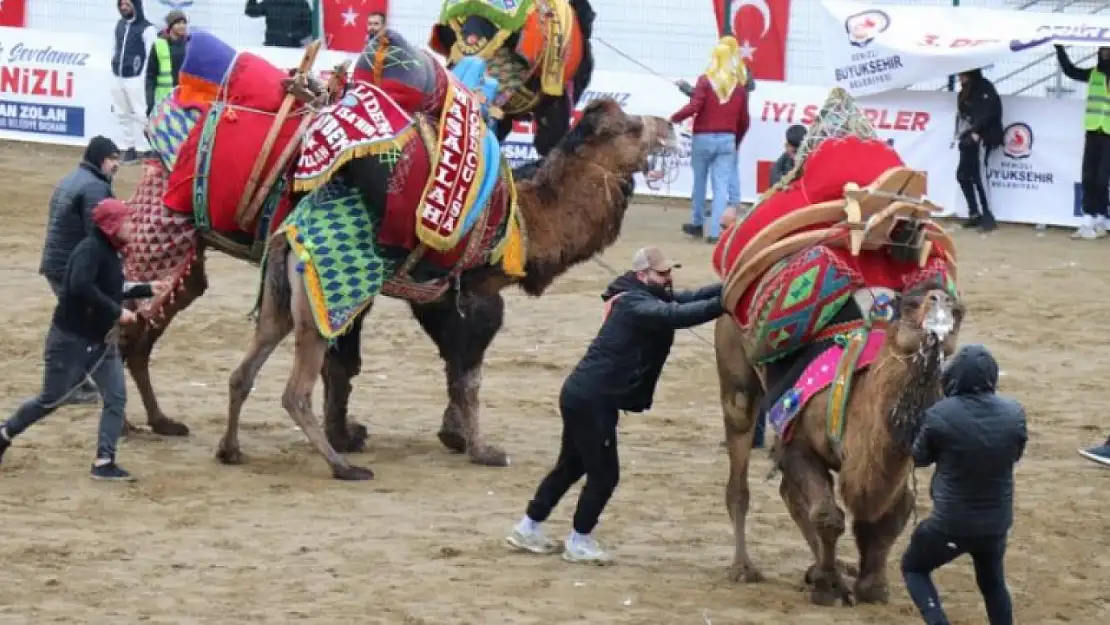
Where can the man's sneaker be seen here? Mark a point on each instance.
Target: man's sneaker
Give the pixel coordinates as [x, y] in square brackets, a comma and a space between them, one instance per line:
[4, 445]
[584, 550]
[692, 230]
[1100, 454]
[1086, 232]
[110, 472]
[130, 156]
[531, 541]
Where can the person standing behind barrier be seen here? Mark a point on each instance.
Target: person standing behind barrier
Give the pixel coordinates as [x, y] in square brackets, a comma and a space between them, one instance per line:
[795, 134]
[720, 112]
[288, 22]
[975, 438]
[69, 220]
[166, 56]
[1095, 178]
[978, 133]
[133, 38]
[89, 306]
[620, 371]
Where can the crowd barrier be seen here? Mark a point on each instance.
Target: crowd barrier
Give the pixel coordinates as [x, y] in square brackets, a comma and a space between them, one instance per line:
[56, 89]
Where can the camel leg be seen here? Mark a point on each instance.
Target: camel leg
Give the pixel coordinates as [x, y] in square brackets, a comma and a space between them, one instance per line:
[463, 328]
[309, 353]
[875, 540]
[137, 344]
[807, 489]
[342, 363]
[740, 398]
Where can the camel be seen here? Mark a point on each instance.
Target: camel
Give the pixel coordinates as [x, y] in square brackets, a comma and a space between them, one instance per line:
[573, 207]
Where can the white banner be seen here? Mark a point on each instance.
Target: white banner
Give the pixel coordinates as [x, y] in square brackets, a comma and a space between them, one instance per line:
[870, 49]
[53, 88]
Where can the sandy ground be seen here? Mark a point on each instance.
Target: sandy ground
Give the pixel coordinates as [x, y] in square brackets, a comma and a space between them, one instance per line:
[277, 541]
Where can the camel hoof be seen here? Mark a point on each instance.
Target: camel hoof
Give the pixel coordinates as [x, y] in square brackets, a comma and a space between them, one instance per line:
[129, 429]
[870, 592]
[453, 441]
[744, 573]
[353, 474]
[828, 588]
[489, 456]
[823, 598]
[231, 456]
[168, 427]
[353, 441]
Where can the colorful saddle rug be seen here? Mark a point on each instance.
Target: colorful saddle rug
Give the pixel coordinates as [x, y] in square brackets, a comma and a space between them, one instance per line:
[170, 125]
[410, 76]
[333, 237]
[836, 367]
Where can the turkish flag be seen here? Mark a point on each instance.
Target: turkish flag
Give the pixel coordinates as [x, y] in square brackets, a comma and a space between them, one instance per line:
[343, 22]
[761, 27]
[763, 175]
[13, 13]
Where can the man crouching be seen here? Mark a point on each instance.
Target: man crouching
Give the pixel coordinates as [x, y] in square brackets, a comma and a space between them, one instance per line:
[619, 372]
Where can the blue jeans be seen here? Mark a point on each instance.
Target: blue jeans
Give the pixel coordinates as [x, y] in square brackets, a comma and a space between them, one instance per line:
[931, 548]
[67, 359]
[714, 153]
[734, 180]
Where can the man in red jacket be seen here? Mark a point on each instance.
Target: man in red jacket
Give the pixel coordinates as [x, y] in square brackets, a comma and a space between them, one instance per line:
[719, 106]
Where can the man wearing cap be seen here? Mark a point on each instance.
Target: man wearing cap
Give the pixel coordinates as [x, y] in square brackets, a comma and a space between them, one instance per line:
[166, 56]
[70, 220]
[619, 372]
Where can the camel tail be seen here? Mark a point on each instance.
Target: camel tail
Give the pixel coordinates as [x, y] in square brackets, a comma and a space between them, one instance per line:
[275, 278]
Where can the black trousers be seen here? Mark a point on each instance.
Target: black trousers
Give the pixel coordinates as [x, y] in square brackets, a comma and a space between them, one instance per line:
[931, 548]
[969, 174]
[588, 448]
[1096, 174]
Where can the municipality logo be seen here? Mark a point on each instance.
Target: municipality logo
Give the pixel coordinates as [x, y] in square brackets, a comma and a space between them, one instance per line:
[864, 26]
[1017, 141]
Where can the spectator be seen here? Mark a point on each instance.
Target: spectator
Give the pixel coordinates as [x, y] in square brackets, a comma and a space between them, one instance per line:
[720, 111]
[133, 38]
[166, 56]
[77, 344]
[70, 219]
[288, 22]
[785, 163]
[1095, 179]
[975, 438]
[375, 24]
[978, 133]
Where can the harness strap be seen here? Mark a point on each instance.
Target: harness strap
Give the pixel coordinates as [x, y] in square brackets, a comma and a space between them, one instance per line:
[853, 344]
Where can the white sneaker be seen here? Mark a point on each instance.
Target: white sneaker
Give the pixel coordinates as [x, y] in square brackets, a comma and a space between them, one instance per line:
[584, 550]
[1100, 231]
[533, 541]
[1086, 232]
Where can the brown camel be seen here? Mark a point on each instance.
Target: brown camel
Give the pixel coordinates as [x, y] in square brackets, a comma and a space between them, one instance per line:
[883, 414]
[573, 207]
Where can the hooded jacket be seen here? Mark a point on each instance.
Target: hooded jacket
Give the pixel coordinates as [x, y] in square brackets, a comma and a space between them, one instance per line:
[975, 438]
[134, 36]
[978, 103]
[93, 290]
[288, 22]
[622, 364]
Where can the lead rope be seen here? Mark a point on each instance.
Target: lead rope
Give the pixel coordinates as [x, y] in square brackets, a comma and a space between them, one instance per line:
[111, 340]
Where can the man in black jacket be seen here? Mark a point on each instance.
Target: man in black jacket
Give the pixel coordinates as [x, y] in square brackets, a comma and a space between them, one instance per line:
[288, 22]
[978, 133]
[134, 35]
[163, 68]
[975, 438]
[619, 372]
[70, 220]
[89, 306]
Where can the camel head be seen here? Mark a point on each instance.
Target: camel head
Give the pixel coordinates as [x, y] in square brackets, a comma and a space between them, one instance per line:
[927, 322]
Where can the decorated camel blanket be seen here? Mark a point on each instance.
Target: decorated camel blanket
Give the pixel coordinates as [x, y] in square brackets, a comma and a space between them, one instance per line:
[836, 367]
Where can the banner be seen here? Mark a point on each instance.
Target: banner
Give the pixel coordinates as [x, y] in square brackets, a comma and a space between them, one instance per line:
[54, 89]
[13, 13]
[761, 27]
[870, 50]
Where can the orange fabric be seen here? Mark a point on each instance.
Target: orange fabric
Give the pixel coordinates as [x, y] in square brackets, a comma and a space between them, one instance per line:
[533, 39]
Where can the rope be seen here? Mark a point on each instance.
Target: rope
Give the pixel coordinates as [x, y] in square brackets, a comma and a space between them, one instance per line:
[631, 60]
[110, 340]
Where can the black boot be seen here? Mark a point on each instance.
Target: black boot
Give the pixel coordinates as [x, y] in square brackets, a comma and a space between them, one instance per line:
[4, 445]
[987, 222]
[692, 230]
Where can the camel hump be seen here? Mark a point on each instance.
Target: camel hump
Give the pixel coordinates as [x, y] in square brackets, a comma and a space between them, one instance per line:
[412, 77]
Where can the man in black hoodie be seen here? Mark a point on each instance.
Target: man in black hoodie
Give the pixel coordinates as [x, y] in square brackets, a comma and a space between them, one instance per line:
[134, 36]
[288, 22]
[1096, 142]
[975, 438]
[70, 220]
[619, 372]
[978, 133]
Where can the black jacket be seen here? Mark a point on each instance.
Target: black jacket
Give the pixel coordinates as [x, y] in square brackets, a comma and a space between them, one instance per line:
[93, 290]
[70, 217]
[978, 103]
[975, 437]
[782, 166]
[153, 67]
[130, 51]
[623, 363]
[288, 22]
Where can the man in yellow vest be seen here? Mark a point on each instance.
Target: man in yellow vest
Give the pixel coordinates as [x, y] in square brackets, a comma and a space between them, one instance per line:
[1096, 145]
[166, 56]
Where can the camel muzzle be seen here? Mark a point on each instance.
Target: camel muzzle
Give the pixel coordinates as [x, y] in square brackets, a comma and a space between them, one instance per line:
[939, 321]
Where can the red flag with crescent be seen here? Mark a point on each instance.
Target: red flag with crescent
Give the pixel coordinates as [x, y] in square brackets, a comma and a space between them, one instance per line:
[343, 22]
[761, 28]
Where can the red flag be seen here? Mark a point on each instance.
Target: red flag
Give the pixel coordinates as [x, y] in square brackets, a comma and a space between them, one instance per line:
[13, 13]
[343, 22]
[761, 27]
